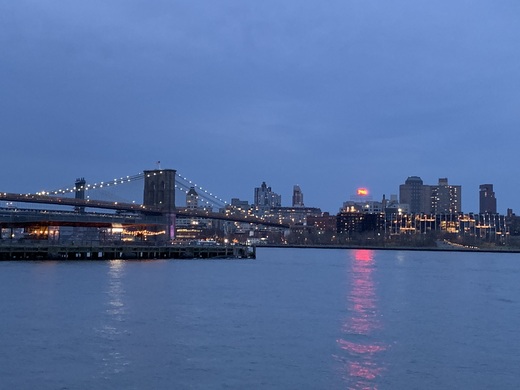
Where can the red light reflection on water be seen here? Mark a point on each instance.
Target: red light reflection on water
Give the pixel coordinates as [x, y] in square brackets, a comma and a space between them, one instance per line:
[364, 255]
[360, 348]
[361, 365]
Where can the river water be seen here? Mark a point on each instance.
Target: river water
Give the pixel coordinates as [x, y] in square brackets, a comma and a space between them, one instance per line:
[291, 319]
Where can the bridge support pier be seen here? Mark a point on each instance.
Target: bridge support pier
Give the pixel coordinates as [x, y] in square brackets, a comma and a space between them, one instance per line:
[159, 192]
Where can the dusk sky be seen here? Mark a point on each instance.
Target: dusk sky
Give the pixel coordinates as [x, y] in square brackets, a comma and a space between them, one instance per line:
[329, 95]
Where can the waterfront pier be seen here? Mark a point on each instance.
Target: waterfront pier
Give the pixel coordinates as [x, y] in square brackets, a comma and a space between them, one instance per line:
[111, 252]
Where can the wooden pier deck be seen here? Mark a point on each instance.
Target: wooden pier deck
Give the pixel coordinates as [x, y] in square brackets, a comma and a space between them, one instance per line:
[110, 252]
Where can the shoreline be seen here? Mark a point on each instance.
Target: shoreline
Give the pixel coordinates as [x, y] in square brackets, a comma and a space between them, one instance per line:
[136, 252]
[394, 248]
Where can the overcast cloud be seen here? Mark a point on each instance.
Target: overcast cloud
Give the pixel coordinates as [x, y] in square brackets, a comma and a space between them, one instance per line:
[328, 95]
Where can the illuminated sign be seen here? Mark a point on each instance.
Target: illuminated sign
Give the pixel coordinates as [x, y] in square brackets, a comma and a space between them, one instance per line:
[362, 191]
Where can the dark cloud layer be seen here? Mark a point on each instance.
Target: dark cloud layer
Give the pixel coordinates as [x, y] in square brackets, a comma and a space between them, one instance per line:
[328, 95]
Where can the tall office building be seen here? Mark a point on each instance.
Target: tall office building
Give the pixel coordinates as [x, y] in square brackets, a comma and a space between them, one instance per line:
[297, 197]
[445, 198]
[416, 195]
[488, 202]
[266, 198]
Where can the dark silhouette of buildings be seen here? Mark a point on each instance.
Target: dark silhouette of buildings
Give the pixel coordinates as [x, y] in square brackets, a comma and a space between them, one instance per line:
[192, 199]
[487, 200]
[415, 194]
[79, 187]
[297, 198]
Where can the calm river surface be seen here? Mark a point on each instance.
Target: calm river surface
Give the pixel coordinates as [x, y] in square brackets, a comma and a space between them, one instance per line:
[291, 319]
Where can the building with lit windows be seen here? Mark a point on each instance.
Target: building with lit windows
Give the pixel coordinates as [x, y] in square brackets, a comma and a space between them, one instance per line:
[487, 200]
[297, 198]
[369, 206]
[445, 198]
[265, 198]
[323, 223]
[239, 204]
[359, 222]
[291, 215]
[430, 199]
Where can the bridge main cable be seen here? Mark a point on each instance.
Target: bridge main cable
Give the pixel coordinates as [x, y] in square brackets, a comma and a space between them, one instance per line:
[209, 198]
[182, 183]
[102, 184]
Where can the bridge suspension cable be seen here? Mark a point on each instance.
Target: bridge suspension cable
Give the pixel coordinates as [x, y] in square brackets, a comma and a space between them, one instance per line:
[87, 187]
[184, 184]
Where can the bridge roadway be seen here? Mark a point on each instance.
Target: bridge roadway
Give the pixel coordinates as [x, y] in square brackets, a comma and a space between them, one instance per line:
[62, 201]
[147, 214]
[13, 218]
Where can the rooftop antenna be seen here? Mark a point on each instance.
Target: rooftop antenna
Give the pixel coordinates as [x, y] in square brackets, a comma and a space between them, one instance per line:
[158, 165]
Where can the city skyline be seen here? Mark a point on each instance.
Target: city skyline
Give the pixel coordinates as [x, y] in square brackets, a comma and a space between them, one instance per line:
[432, 192]
[331, 97]
[266, 197]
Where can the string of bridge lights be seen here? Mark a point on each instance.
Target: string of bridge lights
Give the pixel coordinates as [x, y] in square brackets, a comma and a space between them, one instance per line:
[206, 196]
[186, 189]
[202, 198]
[93, 186]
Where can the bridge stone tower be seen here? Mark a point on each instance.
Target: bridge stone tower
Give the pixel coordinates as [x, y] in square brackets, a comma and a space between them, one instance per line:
[159, 192]
[80, 193]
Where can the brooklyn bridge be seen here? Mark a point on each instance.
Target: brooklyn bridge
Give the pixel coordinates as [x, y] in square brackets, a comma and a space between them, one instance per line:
[156, 215]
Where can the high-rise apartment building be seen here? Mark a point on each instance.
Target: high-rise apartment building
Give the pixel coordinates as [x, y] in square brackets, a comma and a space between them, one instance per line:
[445, 198]
[430, 199]
[266, 198]
[416, 195]
[297, 197]
[487, 200]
